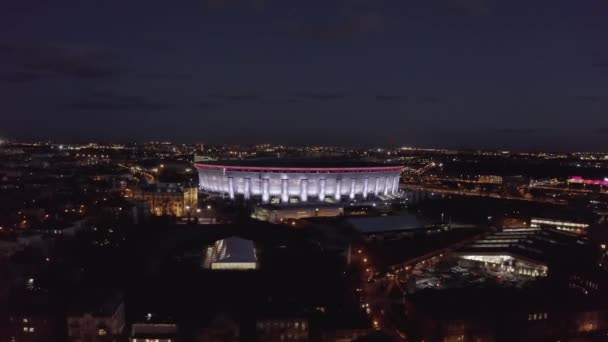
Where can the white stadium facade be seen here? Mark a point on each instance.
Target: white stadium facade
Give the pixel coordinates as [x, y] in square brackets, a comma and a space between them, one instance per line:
[279, 184]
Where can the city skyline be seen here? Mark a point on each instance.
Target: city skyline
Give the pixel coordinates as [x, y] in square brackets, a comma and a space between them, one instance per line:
[322, 170]
[83, 143]
[444, 73]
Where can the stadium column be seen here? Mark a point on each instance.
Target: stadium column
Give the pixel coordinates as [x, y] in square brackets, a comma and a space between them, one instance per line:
[231, 187]
[396, 184]
[365, 185]
[284, 190]
[265, 190]
[337, 193]
[322, 189]
[352, 189]
[205, 179]
[387, 185]
[377, 186]
[247, 188]
[304, 190]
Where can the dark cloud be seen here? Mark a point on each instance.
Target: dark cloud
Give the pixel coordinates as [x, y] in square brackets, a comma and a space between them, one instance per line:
[320, 96]
[427, 99]
[213, 6]
[589, 98]
[601, 131]
[601, 64]
[389, 98]
[111, 101]
[72, 61]
[236, 98]
[336, 28]
[467, 8]
[207, 104]
[516, 130]
[20, 77]
[165, 76]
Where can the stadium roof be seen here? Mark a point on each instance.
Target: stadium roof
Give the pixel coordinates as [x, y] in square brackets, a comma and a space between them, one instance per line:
[299, 165]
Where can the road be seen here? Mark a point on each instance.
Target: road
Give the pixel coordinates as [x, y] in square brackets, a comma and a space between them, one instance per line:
[375, 299]
[479, 194]
[149, 177]
[566, 189]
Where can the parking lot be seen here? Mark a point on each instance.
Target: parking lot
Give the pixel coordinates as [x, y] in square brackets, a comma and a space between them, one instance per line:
[450, 273]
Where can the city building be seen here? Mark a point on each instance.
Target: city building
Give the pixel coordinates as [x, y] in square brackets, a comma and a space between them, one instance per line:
[32, 316]
[581, 180]
[275, 214]
[345, 334]
[29, 328]
[231, 253]
[523, 251]
[171, 199]
[97, 317]
[157, 332]
[506, 251]
[566, 226]
[222, 328]
[539, 314]
[282, 329]
[297, 181]
[346, 328]
[598, 236]
[489, 179]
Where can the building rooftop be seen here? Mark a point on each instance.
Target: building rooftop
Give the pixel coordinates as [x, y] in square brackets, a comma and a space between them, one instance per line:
[378, 224]
[153, 330]
[232, 250]
[533, 244]
[164, 187]
[99, 303]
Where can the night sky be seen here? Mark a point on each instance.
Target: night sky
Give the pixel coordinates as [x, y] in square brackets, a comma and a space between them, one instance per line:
[513, 74]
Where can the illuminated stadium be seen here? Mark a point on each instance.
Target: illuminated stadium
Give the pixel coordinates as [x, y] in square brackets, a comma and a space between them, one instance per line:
[285, 181]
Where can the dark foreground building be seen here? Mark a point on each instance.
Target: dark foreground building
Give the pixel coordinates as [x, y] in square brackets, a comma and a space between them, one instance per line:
[494, 314]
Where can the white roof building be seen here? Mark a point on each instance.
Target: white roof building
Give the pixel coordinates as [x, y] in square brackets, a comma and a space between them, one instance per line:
[232, 253]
